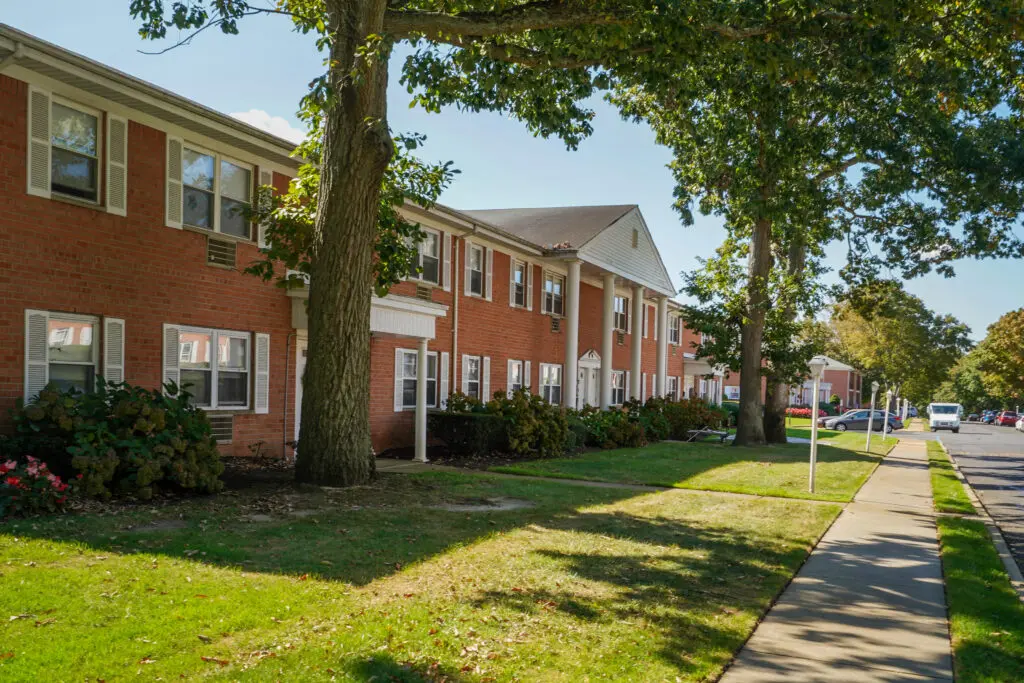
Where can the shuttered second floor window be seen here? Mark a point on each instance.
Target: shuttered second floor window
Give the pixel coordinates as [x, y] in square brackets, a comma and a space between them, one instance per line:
[430, 257]
[215, 193]
[554, 285]
[74, 151]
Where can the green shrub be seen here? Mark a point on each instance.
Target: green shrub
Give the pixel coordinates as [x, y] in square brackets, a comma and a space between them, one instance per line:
[469, 434]
[122, 440]
[829, 408]
[576, 438]
[612, 428]
[693, 413]
[732, 410]
[532, 425]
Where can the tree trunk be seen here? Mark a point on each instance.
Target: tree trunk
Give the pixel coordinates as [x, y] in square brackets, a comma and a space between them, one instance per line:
[750, 425]
[778, 390]
[334, 436]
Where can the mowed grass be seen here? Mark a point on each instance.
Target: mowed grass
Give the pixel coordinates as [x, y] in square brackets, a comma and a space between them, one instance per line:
[986, 618]
[947, 490]
[767, 471]
[378, 583]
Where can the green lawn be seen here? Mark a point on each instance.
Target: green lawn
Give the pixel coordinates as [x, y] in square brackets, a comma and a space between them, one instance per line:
[769, 471]
[986, 618]
[948, 492]
[377, 583]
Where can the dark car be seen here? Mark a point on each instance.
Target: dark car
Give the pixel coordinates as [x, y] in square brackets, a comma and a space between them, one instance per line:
[988, 417]
[973, 417]
[1007, 418]
[857, 421]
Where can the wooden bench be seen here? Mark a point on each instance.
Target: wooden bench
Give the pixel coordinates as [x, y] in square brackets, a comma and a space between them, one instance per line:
[697, 434]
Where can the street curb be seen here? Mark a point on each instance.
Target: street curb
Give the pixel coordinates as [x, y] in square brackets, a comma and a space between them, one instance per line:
[1010, 564]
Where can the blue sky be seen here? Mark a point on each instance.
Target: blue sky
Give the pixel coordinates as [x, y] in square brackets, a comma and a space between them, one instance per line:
[261, 74]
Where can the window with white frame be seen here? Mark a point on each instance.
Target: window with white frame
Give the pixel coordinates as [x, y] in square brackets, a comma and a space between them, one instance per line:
[519, 283]
[621, 315]
[554, 286]
[675, 329]
[216, 193]
[74, 150]
[408, 369]
[430, 257]
[618, 387]
[471, 374]
[673, 387]
[476, 270]
[551, 383]
[515, 375]
[72, 353]
[214, 367]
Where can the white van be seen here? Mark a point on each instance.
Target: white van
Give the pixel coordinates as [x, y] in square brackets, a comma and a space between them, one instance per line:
[945, 416]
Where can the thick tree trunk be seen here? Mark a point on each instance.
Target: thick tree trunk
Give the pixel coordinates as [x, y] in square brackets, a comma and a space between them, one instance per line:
[778, 391]
[750, 425]
[334, 436]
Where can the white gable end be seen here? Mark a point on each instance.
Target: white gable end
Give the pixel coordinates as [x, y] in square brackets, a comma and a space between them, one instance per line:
[612, 249]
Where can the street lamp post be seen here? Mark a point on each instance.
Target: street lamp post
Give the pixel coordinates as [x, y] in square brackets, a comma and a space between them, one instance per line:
[885, 415]
[816, 366]
[871, 415]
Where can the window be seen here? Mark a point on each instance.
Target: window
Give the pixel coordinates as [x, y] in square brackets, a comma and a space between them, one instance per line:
[409, 369]
[74, 151]
[551, 383]
[673, 387]
[675, 327]
[554, 285]
[72, 353]
[618, 387]
[214, 366]
[215, 193]
[430, 257]
[515, 375]
[519, 283]
[621, 316]
[471, 370]
[476, 270]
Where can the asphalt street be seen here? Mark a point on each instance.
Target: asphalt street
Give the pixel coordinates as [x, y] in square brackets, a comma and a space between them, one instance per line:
[992, 459]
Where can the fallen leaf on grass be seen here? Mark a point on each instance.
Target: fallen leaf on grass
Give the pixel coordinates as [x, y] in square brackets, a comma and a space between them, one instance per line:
[147, 660]
[15, 617]
[45, 622]
[200, 595]
[6, 655]
[221, 662]
[205, 639]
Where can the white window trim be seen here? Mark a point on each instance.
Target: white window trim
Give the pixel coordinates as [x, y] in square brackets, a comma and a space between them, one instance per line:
[508, 378]
[624, 313]
[217, 159]
[470, 248]
[544, 294]
[431, 400]
[94, 343]
[215, 363]
[516, 263]
[621, 375]
[440, 258]
[542, 385]
[466, 358]
[100, 139]
[675, 329]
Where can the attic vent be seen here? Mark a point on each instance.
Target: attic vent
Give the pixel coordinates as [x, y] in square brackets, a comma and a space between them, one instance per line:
[620, 337]
[222, 427]
[423, 292]
[556, 324]
[636, 238]
[220, 252]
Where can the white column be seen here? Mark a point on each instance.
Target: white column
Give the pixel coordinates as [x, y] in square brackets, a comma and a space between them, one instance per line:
[662, 356]
[421, 401]
[638, 340]
[607, 340]
[572, 335]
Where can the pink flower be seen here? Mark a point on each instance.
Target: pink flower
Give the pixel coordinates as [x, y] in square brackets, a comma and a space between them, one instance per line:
[10, 465]
[13, 481]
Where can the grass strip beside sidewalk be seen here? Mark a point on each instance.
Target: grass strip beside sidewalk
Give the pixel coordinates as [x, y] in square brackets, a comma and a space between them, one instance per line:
[947, 490]
[986, 618]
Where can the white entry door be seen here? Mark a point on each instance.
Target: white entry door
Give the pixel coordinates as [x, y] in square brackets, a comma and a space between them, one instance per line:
[593, 386]
[300, 369]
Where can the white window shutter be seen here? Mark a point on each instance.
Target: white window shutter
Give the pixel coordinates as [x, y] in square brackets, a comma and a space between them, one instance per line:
[629, 316]
[526, 374]
[398, 381]
[266, 181]
[173, 207]
[508, 378]
[38, 142]
[446, 261]
[485, 382]
[469, 248]
[628, 385]
[172, 356]
[529, 286]
[490, 274]
[37, 367]
[261, 390]
[643, 387]
[646, 317]
[512, 282]
[117, 165]
[656, 321]
[443, 400]
[465, 375]
[113, 350]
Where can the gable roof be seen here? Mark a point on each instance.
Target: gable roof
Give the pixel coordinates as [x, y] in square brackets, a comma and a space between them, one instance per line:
[548, 226]
[833, 364]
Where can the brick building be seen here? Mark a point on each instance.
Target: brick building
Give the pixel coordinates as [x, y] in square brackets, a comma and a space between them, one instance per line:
[121, 251]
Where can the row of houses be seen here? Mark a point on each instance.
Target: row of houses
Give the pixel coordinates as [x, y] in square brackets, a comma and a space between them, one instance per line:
[121, 251]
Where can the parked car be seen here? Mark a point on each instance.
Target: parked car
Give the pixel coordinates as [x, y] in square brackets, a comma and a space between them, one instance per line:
[1020, 424]
[973, 417]
[912, 412]
[857, 421]
[1007, 418]
[944, 416]
[988, 417]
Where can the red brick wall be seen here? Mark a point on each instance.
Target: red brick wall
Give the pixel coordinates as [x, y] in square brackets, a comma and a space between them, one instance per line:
[59, 256]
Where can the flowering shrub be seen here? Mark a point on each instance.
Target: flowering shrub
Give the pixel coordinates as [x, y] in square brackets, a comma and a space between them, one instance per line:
[30, 487]
[803, 412]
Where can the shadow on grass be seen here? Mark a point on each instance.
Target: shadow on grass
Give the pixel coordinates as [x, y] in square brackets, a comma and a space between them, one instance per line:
[384, 668]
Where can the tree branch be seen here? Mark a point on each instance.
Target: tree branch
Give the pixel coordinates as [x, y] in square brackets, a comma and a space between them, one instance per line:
[532, 16]
[536, 59]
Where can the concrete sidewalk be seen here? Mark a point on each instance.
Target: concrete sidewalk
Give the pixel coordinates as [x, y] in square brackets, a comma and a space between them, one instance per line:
[869, 604]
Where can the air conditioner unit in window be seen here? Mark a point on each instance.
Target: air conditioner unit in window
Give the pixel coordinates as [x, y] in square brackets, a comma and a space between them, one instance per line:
[620, 337]
[423, 292]
[556, 324]
[222, 428]
[220, 252]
